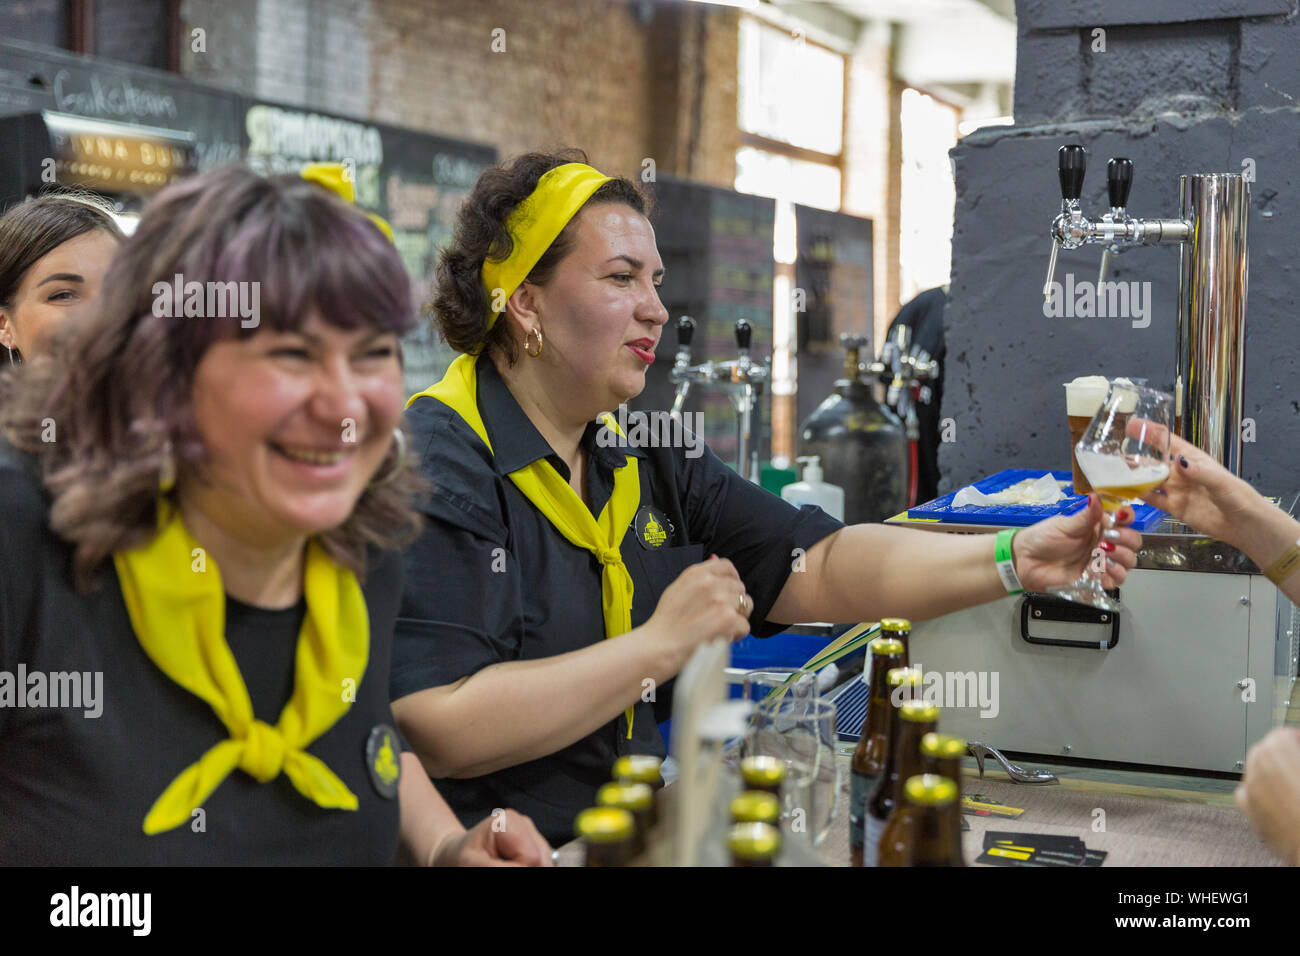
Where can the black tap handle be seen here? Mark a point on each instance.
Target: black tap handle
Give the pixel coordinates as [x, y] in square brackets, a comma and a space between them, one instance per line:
[743, 334]
[1119, 180]
[685, 330]
[1071, 162]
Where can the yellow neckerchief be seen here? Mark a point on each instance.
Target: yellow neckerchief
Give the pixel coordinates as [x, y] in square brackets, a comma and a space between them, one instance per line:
[533, 226]
[542, 485]
[178, 609]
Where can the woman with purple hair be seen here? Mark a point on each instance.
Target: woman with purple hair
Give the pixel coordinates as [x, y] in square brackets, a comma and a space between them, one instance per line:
[203, 490]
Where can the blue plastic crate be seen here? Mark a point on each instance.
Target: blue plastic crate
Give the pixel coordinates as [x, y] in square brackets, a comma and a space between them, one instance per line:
[1145, 516]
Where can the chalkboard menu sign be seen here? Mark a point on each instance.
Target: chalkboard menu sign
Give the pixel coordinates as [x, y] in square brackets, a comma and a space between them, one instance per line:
[716, 246]
[414, 180]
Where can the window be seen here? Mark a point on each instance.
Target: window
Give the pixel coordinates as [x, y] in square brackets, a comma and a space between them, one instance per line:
[928, 196]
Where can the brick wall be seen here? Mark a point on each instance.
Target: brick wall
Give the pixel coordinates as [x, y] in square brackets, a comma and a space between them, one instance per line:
[623, 80]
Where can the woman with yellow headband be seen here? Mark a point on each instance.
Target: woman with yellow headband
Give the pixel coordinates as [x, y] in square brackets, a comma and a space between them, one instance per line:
[564, 578]
[198, 569]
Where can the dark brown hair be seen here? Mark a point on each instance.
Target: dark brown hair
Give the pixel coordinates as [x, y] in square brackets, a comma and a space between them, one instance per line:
[118, 389]
[31, 230]
[460, 305]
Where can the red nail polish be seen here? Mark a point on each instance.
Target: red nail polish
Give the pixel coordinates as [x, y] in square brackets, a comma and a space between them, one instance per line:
[1107, 546]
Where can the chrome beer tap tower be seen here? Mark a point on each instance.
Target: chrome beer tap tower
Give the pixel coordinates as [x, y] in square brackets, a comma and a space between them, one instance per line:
[1201, 663]
[742, 378]
[1213, 266]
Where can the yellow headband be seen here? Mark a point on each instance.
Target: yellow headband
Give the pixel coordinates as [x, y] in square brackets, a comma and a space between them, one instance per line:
[333, 176]
[534, 225]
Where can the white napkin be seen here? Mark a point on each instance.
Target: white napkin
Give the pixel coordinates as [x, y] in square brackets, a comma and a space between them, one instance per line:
[1031, 491]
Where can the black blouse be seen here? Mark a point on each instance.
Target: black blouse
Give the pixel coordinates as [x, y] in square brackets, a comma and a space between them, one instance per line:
[77, 781]
[491, 580]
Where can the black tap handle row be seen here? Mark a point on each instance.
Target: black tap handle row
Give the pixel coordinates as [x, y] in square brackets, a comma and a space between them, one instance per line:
[1072, 163]
[686, 330]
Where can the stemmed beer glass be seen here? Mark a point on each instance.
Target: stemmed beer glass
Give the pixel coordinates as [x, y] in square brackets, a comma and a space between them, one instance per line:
[1123, 453]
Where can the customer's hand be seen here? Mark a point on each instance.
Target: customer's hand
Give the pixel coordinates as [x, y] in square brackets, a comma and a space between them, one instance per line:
[1203, 494]
[1055, 552]
[1269, 794]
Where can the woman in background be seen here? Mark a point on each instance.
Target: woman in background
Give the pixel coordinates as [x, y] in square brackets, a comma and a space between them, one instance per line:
[54, 251]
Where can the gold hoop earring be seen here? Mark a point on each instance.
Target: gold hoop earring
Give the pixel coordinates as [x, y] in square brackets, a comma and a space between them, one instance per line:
[528, 338]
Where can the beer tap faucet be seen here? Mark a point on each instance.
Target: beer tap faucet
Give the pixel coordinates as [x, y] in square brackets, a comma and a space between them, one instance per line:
[1119, 181]
[742, 378]
[1117, 229]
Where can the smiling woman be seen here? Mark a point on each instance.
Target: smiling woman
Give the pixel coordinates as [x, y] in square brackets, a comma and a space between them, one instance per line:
[205, 512]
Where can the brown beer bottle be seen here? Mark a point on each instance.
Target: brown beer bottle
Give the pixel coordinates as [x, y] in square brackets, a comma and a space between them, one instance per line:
[898, 629]
[641, 768]
[755, 806]
[915, 719]
[869, 757]
[763, 773]
[942, 754]
[932, 839]
[637, 799]
[754, 844]
[609, 834]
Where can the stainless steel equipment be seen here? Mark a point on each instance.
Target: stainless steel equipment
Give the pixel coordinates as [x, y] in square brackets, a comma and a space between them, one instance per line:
[1199, 667]
[743, 380]
[1213, 267]
[862, 445]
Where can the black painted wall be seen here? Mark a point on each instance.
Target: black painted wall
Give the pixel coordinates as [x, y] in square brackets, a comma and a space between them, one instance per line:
[1181, 86]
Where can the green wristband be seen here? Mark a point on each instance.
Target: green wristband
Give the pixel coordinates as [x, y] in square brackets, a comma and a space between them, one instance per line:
[1002, 557]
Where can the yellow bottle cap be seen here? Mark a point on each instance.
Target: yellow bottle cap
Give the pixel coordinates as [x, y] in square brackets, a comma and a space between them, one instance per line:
[930, 790]
[762, 771]
[755, 806]
[629, 796]
[886, 645]
[638, 768]
[904, 677]
[754, 841]
[918, 711]
[604, 825]
[942, 746]
[895, 624]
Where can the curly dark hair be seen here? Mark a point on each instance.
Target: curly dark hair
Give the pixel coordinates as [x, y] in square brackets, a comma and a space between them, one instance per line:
[460, 306]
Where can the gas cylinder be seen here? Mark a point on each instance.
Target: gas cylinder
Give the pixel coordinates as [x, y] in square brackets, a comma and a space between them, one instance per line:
[861, 443]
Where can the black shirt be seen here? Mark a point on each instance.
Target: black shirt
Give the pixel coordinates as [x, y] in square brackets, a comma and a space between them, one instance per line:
[75, 789]
[491, 580]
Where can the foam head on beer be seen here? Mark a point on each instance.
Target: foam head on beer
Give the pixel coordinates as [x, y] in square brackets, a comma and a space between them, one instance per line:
[1084, 395]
